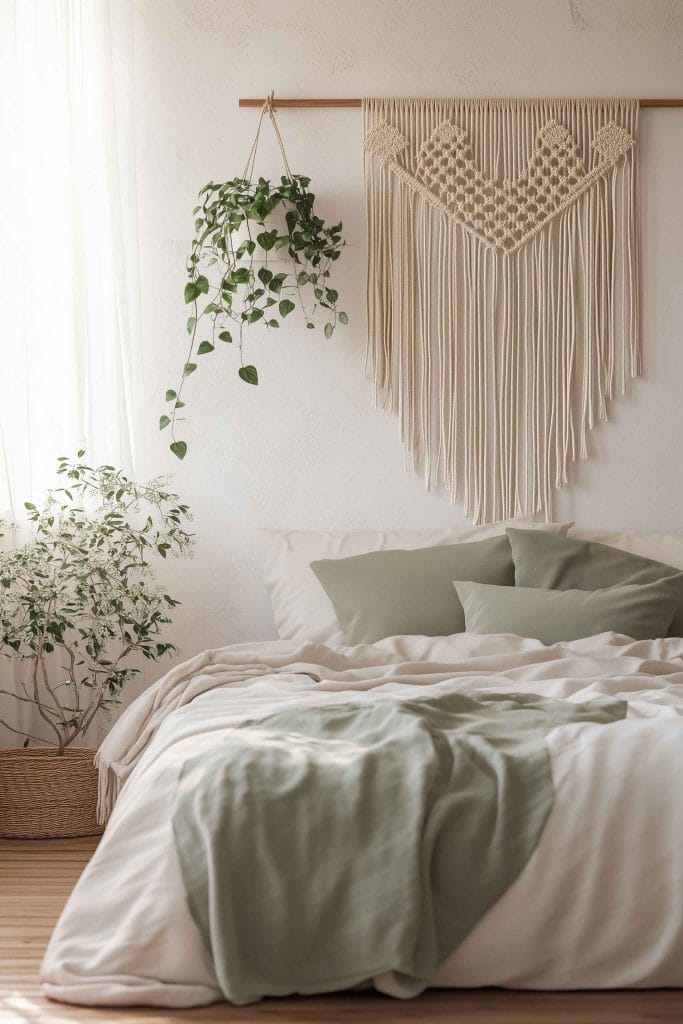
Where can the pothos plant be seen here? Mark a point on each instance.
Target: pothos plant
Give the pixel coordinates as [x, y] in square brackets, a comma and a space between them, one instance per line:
[79, 603]
[259, 251]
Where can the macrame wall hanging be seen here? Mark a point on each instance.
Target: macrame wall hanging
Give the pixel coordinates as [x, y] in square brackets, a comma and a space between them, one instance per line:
[502, 286]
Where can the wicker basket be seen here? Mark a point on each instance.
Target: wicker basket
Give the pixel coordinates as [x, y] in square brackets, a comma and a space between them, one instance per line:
[45, 795]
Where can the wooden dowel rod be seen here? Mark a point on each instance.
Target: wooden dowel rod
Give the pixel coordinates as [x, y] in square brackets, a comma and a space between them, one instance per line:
[660, 103]
[278, 103]
[302, 103]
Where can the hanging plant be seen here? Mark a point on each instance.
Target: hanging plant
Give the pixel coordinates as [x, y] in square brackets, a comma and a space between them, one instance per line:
[259, 251]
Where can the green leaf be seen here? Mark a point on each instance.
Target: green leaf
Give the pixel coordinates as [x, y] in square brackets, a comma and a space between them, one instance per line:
[189, 368]
[267, 239]
[191, 322]
[240, 276]
[286, 307]
[163, 422]
[253, 315]
[343, 318]
[202, 285]
[205, 347]
[328, 329]
[247, 246]
[179, 448]
[225, 336]
[310, 325]
[256, 211]
[170, 395]
[191, 291]
[26, 742]
[272, 323]
[331, 295]
[265, 275]
[29, 505]
[179, 405]
[249, 374]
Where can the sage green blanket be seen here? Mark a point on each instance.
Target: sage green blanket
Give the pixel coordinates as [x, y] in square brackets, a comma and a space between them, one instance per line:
[322, 847]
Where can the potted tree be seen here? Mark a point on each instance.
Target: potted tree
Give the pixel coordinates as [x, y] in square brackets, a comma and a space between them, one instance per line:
[79, 608]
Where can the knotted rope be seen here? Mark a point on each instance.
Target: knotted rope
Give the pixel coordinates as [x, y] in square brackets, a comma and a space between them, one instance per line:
[266, 109]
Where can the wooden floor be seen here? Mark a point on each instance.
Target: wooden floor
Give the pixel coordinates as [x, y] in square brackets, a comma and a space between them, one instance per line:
[36, 878]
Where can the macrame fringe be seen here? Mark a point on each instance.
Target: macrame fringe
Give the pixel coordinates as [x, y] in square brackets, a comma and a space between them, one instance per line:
[499, 364]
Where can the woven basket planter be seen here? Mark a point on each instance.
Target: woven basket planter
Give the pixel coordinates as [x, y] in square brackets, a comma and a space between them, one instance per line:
[44, 795]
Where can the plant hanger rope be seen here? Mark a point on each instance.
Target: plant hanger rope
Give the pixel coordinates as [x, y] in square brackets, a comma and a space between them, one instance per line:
[268, 109]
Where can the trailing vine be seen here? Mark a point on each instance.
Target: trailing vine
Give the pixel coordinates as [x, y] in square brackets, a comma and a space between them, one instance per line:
[259, 251]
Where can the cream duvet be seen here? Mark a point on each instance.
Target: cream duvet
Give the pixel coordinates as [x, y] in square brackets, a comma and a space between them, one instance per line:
[594, 902]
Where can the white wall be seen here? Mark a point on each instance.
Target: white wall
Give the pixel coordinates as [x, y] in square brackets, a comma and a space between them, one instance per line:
[306, 448]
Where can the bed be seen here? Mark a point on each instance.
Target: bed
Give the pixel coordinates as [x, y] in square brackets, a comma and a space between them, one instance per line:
[262, 841]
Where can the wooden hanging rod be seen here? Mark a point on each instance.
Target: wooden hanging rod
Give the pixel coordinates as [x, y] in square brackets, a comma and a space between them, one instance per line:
[277, 102]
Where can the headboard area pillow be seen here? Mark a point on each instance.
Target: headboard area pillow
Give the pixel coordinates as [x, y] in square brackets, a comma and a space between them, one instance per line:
[567, 563]
[642, 611]
[660, 547]
[389, 593]
[302, 609]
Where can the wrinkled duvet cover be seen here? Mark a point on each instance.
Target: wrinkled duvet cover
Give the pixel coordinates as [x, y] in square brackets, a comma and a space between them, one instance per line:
[461, 811]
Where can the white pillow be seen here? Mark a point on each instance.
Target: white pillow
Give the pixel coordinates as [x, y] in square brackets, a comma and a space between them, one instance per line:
[662, 547]
[302, 609]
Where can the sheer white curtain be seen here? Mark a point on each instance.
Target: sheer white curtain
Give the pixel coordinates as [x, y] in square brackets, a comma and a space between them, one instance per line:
[69, 315]
[70, 360]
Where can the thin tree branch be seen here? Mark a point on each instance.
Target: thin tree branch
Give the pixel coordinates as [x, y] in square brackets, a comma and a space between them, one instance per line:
[36, 692]
[20, 732]
[30, 700]
[46, 683]
[86, 721]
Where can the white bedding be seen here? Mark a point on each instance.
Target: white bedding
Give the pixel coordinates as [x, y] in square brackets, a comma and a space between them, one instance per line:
[598, 904]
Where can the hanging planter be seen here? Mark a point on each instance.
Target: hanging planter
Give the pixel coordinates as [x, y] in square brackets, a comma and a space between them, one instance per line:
[259, 252]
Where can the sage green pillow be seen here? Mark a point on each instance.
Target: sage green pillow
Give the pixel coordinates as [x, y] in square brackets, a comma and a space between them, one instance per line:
[565, 563]
[639, 611]
[389, 593]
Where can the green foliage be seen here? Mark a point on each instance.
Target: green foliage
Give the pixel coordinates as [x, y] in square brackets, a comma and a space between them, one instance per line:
[249, 374]
[239, 278]
[79, 603]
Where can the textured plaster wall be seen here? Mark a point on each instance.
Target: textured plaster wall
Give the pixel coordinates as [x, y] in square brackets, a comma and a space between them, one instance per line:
[306, 448]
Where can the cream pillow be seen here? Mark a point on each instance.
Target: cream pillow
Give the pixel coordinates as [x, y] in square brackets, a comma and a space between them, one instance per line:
[302, 609]
[660, 547]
